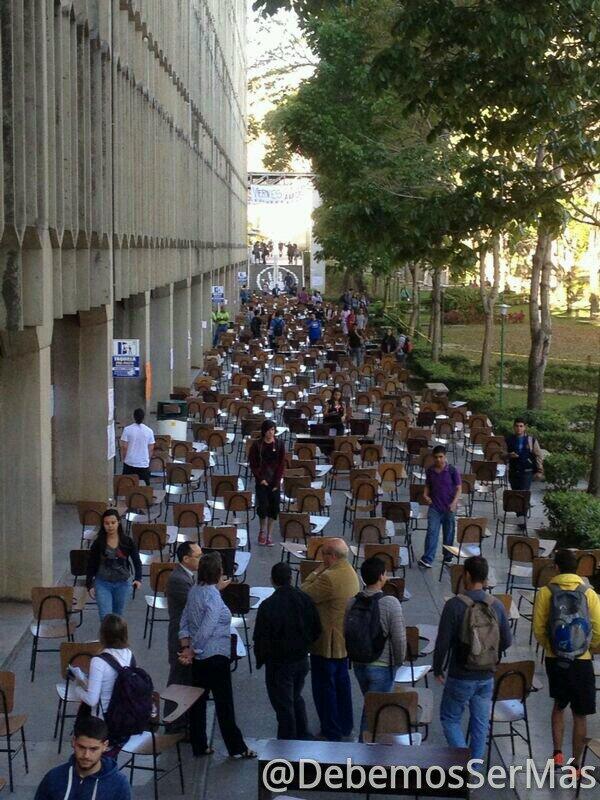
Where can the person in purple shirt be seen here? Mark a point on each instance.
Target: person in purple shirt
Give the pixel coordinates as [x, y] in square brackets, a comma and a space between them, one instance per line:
[442, 491]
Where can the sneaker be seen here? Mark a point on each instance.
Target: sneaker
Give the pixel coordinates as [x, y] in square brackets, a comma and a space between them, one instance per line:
[558, 758]
[262, 539]
[422, 563]
[269, 542]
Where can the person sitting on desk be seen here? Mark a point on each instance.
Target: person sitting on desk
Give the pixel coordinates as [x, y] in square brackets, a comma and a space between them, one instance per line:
[336, 405]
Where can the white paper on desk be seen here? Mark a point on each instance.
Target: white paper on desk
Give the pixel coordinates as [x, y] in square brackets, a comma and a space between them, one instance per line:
[110, 436]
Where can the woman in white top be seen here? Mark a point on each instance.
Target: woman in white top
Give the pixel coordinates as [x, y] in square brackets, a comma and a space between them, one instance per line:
[97, 690]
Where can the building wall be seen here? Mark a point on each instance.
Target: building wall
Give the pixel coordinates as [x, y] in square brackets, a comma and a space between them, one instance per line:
[122, 174]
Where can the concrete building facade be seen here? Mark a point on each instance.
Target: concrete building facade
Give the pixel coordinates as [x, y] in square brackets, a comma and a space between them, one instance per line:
[122, 201]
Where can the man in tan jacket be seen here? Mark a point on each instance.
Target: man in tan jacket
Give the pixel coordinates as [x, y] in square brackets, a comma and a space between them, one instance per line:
[331, 586]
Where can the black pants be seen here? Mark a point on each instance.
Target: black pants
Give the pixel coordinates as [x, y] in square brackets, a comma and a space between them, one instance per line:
[213, 675]
[520, 479]
[284, 687]
[267, 501]
[142, 472]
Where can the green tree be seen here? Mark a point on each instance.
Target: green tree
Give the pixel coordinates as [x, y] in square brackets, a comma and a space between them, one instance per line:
[518, 86]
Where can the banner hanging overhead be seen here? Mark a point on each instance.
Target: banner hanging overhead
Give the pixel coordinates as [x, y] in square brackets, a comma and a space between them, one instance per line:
[276, 194]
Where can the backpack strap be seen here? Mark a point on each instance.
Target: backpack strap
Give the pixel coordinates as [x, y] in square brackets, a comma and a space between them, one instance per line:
[466, 600]
[489, 600]
[111, 661]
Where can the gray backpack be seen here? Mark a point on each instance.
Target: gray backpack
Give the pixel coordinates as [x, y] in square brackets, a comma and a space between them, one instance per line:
[570, 629]
[479, 635]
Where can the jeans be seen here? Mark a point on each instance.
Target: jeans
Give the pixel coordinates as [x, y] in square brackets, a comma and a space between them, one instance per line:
[436, 518]
[372, 678]
[284, 687]
[111, 597]
[332, 694]
[218, 331]
[356, 355]
[477, 695]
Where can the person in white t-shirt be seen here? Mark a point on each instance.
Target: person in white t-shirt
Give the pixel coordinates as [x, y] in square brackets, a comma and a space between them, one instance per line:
[137, 445]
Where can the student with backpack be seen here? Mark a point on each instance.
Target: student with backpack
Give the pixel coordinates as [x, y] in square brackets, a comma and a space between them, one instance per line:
[443, 486]
[276, 329]
[375, 633]
[566, 623]
[117, 690]
[524, 459]
[473, 633]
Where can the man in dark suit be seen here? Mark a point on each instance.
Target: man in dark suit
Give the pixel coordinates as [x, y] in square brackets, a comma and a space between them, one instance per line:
[179, 584]
[287, 623]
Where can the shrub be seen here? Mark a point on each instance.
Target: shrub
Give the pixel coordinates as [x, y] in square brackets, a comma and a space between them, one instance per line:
[563, 471]
[582, 444]
[454, 318]
[545, 420]
[516, 317]
[480, 399]
[465, 299]
[574, 518]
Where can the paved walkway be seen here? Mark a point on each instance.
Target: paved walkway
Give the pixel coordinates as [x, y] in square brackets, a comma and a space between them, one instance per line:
[218, 777]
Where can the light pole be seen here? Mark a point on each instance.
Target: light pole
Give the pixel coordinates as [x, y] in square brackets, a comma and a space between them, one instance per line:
[503, 314]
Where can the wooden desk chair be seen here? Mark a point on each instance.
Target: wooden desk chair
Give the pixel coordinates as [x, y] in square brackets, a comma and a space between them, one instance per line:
[305, 451]
[522, 550]
[341, 465]
[90, 519]
[157, 601]
[181, 451]
[391, 555]
[11, 724]
[218, 444]
[514, 501]
[72, 654]
[311, 501]
[219, 536]
[52, 606]
[469, 537]
[188, 518]
[305, 568]
[512, 685]
[151, 540]
[371, 454]
[398, 512]
[291, 485]
[158, 469]
[412, 673]
[542, 572]
[362, 498]
[294, 527]
[237, 506]
[396, 587]
[390, 718]
[392, 475]
[143, 504]
[486, 485]
[78, 564]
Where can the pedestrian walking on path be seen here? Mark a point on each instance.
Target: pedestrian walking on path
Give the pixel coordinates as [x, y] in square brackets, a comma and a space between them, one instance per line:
[442, 492]
[267, 462]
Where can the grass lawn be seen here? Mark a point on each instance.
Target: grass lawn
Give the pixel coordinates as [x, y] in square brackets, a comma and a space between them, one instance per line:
[573, 340]
[552, 402]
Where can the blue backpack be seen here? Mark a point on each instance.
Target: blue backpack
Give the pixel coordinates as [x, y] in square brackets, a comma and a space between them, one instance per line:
[569, 622]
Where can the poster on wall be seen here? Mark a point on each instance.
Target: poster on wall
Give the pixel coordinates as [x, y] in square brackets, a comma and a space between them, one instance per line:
[218, 294]
[126, 358]
[242, 277]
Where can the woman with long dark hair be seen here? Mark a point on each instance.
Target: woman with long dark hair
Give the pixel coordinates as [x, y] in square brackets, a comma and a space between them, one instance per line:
[267, 462]
[113, 557]
[335, 405]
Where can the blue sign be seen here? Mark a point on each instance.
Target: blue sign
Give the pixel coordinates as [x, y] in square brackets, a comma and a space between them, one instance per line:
[126, 358]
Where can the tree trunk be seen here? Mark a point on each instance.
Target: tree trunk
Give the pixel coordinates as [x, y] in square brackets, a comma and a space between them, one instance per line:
[488, 298]
[436, 315]
[386, 290]
[540, 320]
[346, 281]
[594, 484]
[416, 300]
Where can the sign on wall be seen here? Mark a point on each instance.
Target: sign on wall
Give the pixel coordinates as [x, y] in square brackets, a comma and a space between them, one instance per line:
[126, 358]
[218, 294]
[242, 277]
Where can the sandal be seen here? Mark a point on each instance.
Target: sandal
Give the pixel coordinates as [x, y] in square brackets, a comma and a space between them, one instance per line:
[245, 754]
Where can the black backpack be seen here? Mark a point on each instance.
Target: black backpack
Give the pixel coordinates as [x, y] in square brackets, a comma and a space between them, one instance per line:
[130, 708]
[364, 635]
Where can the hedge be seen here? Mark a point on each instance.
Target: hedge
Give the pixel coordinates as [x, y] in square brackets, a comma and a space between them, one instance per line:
[574, 518]
[572, 377]
[563, 471]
